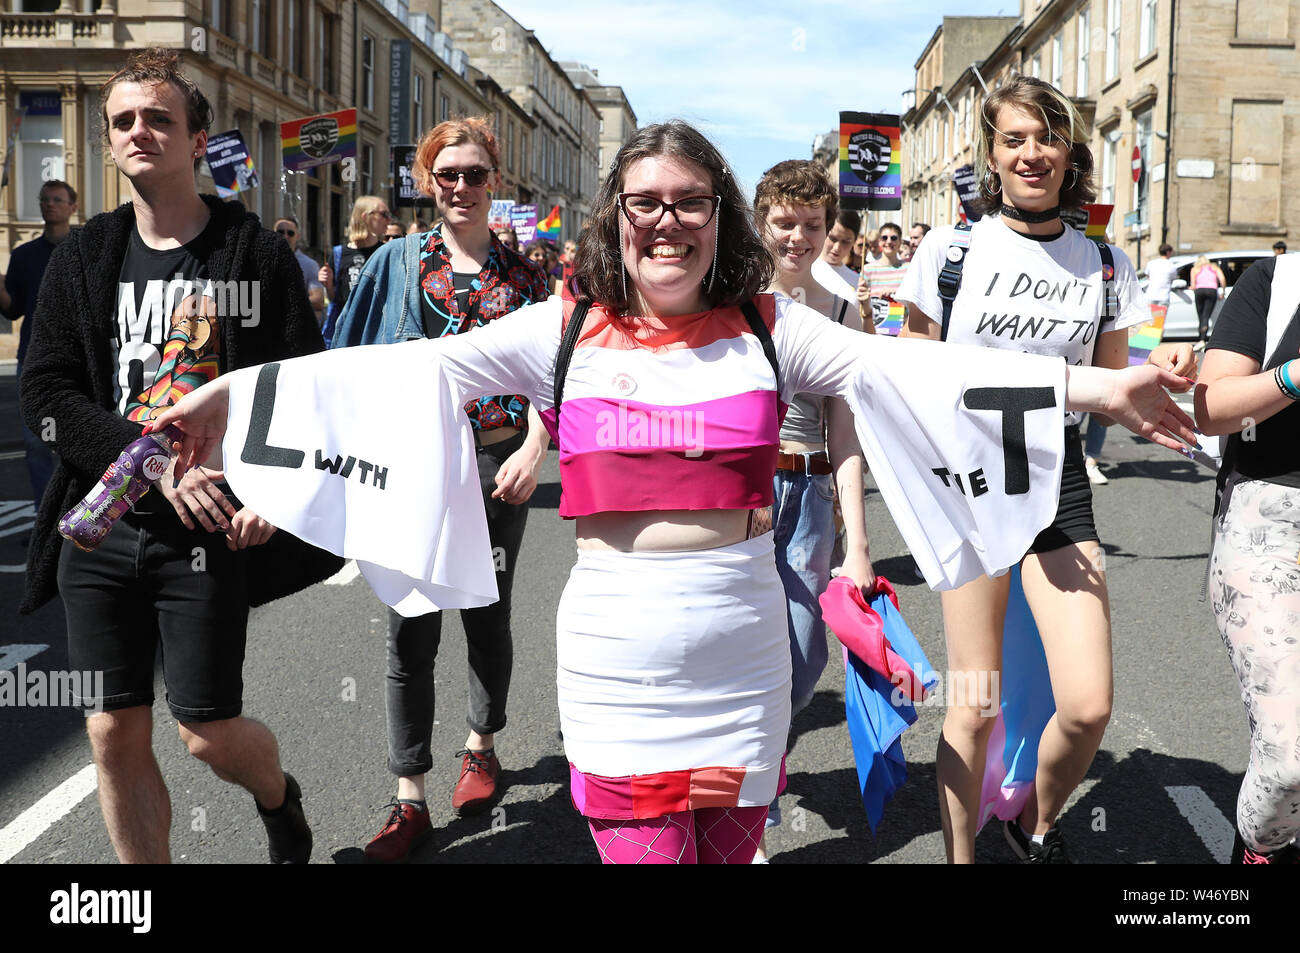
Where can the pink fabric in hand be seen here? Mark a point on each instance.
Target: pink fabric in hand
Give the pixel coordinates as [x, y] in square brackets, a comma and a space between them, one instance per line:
[862, 632]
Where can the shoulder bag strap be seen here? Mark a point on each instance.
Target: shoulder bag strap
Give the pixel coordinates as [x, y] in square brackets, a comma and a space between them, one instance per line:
[759, 328]
[950, 276]
[1109, 297]
[572, 331]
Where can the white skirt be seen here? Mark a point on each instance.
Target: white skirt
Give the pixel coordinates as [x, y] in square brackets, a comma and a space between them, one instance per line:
[674, 679]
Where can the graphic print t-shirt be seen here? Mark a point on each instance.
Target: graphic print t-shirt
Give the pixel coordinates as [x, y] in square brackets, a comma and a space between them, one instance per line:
[167, 329]
[1022, 295]
[351, 261]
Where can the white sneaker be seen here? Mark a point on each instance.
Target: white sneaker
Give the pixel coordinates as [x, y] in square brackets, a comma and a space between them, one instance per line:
[1094, 473]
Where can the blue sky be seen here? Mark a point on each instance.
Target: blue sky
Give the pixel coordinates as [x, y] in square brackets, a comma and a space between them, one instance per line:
[762, 79]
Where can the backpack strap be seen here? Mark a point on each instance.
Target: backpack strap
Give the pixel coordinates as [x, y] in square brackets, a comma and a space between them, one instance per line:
[1109, 297]
[950, 276]
[759, 328]
[572, 331]
[844, 307]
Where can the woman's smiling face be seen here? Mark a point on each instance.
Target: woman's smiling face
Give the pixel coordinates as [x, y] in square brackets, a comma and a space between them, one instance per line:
[667, 263]
[1029, 159]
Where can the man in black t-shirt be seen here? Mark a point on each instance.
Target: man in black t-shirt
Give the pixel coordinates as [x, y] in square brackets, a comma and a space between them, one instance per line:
[197, 288]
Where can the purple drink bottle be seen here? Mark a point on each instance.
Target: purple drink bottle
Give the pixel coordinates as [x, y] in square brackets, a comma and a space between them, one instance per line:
[127, 478]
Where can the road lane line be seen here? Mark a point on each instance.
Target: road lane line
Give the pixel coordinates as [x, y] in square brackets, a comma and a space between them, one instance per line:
[1214, 830]
[41, 816]
[344, 575]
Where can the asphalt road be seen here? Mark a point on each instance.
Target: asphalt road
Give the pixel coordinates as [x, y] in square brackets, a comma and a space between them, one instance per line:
[1160, 791]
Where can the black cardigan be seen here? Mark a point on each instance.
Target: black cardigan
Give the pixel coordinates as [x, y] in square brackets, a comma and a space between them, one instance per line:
[69, 371]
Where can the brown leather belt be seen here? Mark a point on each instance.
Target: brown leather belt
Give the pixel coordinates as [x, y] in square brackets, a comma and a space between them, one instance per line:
[815, 463]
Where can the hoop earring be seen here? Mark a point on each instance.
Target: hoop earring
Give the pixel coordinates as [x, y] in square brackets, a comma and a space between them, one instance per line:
[989, 179]
[1076, 179]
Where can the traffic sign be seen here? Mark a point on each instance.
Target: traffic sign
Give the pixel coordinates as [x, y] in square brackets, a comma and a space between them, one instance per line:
[1137, 164]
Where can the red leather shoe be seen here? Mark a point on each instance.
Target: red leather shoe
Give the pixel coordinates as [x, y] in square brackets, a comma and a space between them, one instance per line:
[406, 830]
[477, 786]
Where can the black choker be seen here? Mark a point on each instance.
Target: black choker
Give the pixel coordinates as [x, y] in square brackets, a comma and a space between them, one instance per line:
[1033, 218]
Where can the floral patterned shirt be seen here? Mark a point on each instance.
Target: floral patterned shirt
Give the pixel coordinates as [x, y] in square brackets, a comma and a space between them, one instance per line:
[507, 282]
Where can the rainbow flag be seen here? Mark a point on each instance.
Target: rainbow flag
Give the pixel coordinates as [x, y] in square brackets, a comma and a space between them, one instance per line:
[1098, 219]
[318, 140]
[549, 227]
[1144, 337]
[894, 323]
[869, 161]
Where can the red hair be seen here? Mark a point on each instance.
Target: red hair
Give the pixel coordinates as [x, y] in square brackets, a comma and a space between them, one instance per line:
[453, 132]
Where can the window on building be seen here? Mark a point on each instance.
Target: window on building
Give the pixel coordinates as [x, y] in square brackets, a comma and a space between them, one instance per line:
[367, 170]
[510, 144]
[297, 36]
[1058, 60]
[417, 105]
[259, 26]
[1142, 189]
[367, 71]
[1036, 66]
[444, 108]
[524, 164]
[1114, 10]
[1109, 161]
[1083, 41]
[1146, 27]
[219, 15]
[326, 70]
[1255, 192]
[40, 148]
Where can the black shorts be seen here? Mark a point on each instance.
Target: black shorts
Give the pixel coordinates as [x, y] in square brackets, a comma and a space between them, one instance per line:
[151, 580]
[1073, 522]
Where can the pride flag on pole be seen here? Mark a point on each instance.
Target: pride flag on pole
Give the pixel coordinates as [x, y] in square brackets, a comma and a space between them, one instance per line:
[549, 227]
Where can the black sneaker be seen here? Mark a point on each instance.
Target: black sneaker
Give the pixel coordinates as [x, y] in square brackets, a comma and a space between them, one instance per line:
[1050, 851]
[286, 827]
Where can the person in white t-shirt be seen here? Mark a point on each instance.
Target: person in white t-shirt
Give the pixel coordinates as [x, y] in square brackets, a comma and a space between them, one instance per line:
[1030, 283]
[1160, 277]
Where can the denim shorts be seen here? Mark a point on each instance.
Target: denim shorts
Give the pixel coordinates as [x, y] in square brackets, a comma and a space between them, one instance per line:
[152, 582]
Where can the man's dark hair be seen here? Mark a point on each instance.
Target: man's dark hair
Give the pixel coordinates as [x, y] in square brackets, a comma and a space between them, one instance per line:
[893, 227]
[925, 229]
[1166, 249]
[847, 218]
[1279, 246]
[60, 184]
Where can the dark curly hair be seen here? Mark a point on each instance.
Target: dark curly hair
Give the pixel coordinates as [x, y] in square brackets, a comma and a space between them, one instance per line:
[744, 266]
[1043, 99]
[155, 65]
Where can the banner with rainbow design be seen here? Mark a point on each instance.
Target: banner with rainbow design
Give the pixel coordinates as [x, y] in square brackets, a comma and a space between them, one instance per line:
[549, 227]
[231, 166]
[892, 322]
[870, 173]
[318, 140]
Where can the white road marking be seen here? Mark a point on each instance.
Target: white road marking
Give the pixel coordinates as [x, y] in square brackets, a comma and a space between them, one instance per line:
[344, 575]
[41, 816]
[12, 655]
[13, 568]
[16, 510]
[13, 454]
[1215, 831]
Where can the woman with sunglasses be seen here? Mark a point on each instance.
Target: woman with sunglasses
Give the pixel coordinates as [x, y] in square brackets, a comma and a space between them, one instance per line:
[449, 281]
[366, 227]
[664, 382]
[1031, 283]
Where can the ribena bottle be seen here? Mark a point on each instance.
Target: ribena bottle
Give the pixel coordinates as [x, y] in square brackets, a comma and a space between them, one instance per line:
[127, 478]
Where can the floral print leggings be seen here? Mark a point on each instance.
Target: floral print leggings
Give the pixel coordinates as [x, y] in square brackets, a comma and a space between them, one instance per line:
[1254, 589]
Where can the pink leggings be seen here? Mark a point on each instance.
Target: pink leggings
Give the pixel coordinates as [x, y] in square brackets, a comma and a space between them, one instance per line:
[711, 835]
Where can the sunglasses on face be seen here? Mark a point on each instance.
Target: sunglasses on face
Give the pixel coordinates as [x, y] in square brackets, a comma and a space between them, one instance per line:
[286, 231]
[473, 177]
[891, 238]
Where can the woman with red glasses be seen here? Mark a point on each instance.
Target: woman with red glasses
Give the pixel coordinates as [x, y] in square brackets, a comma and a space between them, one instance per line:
[449, 281]
[664, 379]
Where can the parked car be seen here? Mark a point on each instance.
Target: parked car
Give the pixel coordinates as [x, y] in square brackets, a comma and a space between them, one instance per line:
[1180, 322]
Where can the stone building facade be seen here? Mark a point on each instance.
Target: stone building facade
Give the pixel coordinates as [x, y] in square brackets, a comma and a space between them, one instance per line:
[1199, 91]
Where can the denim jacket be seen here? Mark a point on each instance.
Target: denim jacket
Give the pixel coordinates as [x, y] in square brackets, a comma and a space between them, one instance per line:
[385, 307]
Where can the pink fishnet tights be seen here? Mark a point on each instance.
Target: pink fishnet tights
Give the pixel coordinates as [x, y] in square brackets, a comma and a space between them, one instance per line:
[711, 835]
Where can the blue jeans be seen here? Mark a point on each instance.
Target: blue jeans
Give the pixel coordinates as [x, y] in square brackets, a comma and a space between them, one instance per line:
[803, 528]
[1093, 440]
[40, 458]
